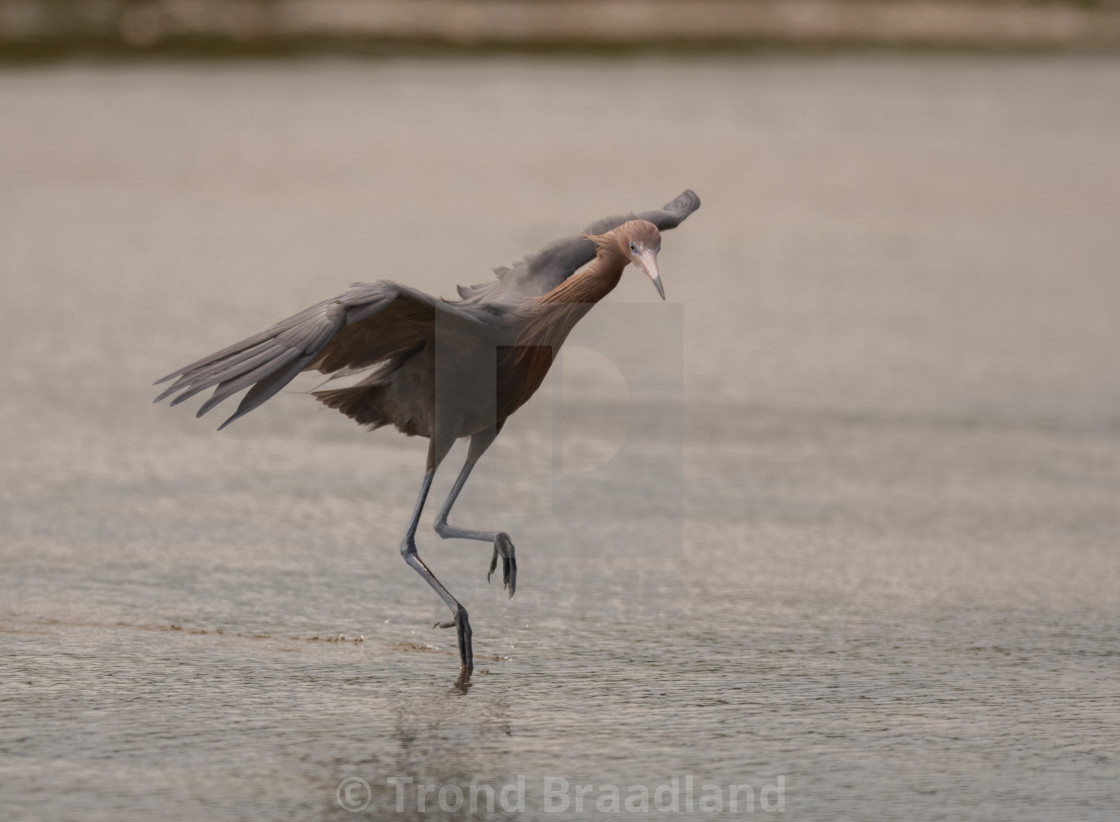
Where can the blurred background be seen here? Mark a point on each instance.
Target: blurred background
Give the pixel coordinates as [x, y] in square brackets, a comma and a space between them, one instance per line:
[885, 570]
[37, 28]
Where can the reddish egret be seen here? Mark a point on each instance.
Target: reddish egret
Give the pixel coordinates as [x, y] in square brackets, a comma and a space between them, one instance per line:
[443, 369]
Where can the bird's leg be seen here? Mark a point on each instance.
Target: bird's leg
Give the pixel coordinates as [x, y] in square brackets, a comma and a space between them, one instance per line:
[459, 619]
[503, 545]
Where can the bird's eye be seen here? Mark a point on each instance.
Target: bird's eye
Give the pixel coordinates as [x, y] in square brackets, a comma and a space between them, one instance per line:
[633, 246]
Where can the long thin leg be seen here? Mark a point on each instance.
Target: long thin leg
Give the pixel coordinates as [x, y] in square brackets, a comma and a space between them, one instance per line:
[503, 545]
[459, 619]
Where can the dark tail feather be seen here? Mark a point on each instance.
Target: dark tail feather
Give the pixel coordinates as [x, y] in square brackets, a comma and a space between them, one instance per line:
[362, 403]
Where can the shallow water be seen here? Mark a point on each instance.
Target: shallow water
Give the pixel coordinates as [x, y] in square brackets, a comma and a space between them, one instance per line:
[848, 535]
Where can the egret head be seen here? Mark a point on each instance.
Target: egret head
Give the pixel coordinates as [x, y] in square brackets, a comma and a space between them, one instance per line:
[638, 242]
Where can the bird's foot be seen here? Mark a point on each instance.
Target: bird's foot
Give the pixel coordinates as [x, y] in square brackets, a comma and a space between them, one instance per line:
[462, 624]
[503, 547]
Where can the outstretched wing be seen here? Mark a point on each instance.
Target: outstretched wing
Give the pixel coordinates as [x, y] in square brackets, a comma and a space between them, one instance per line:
[359, 328]
[539, 273]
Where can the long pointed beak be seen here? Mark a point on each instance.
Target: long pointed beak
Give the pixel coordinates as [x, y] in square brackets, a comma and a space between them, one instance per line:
[647, 261]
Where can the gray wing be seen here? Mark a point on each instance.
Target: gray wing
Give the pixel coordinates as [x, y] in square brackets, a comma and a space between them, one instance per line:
[359, 328]
[539, 273]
